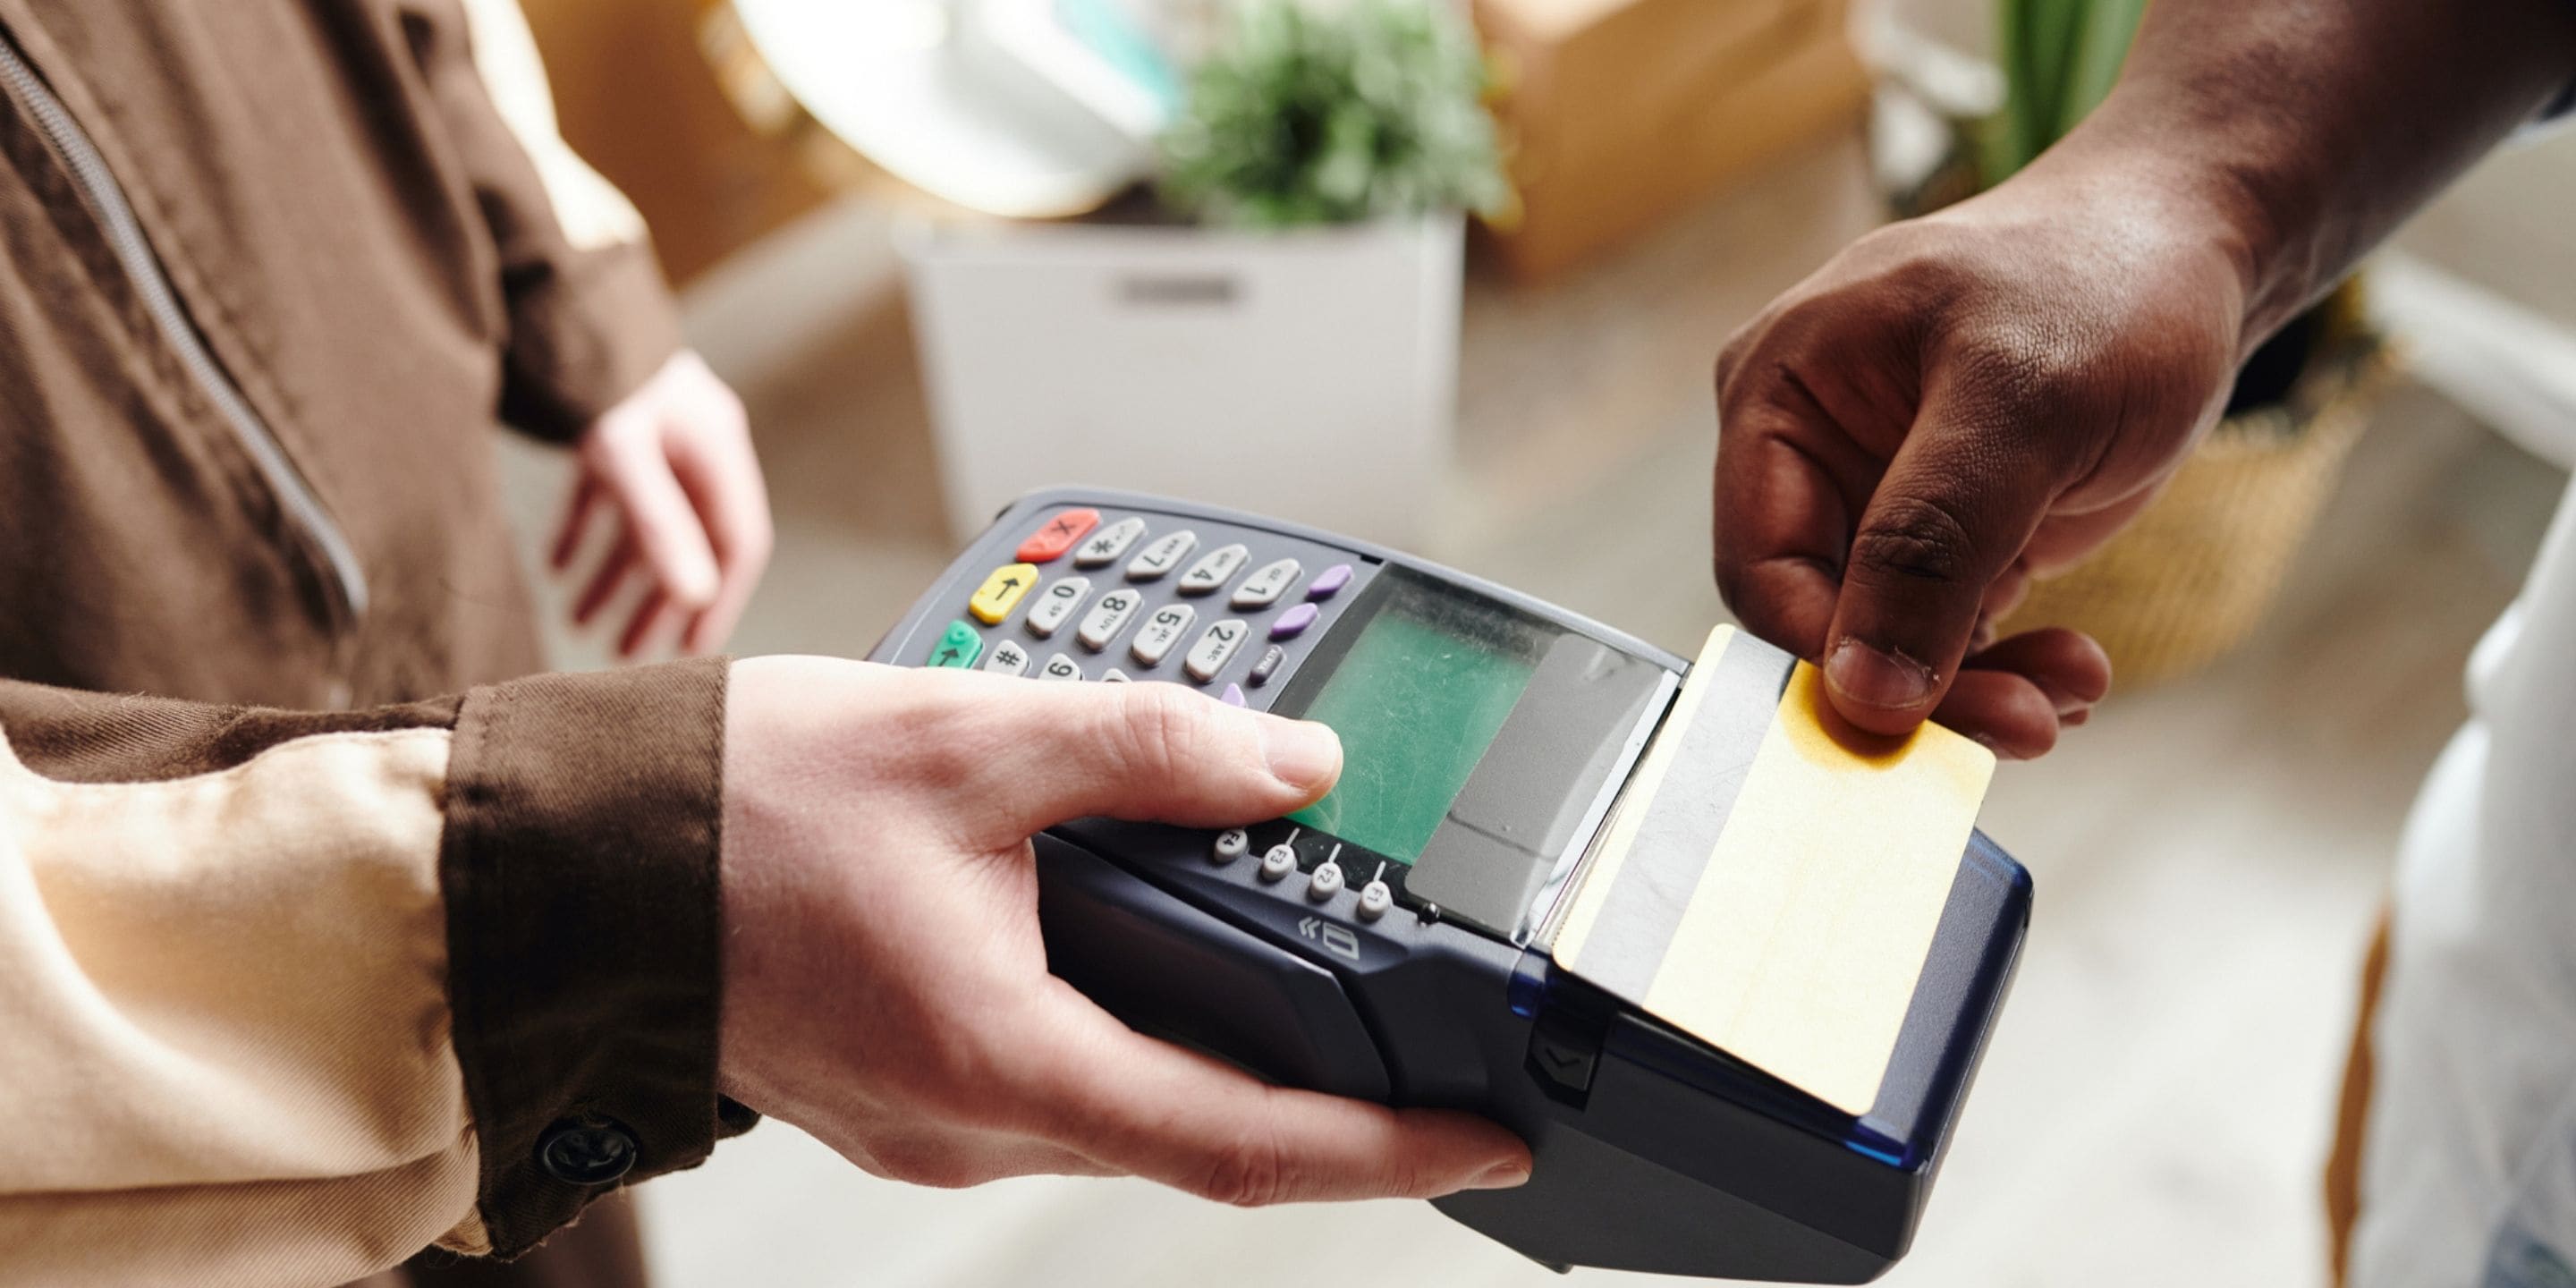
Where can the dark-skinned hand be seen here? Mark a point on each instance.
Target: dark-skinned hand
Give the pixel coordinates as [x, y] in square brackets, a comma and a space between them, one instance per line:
[1951, 407]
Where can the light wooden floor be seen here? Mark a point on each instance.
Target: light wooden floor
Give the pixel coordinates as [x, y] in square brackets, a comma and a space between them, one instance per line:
[2209, 854]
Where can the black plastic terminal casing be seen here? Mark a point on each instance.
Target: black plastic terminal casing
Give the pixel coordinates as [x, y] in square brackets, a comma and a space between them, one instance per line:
[1654, 1151]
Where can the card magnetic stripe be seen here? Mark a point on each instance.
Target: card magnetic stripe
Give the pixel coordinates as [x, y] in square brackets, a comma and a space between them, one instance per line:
[1634, 930]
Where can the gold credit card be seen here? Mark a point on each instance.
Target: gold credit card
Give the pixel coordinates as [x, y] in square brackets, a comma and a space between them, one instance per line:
[1773, 877]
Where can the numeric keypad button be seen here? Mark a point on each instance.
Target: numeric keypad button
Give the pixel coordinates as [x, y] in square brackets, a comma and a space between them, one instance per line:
[1107, 618]
[1054, 607]
[1008, 659]
[1060, 667]
[1213, 570]
[1267, 583]
[1154, 639]
[1105, 545]
[1215, 649]
[1164, 555]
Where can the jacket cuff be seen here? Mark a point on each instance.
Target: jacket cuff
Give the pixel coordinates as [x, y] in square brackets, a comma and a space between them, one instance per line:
[586, 329]
[579, 863]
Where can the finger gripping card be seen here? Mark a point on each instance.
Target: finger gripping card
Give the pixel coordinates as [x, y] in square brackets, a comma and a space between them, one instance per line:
[1773, 879]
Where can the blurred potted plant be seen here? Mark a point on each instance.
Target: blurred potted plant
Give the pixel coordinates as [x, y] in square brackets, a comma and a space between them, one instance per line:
[2196, 571]
[1279, 329]
[1306, 118]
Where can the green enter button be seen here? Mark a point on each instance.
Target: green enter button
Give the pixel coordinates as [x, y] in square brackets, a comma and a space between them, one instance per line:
[959, 647]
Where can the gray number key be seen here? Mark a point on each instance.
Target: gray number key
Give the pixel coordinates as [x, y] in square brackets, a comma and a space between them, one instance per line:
[1267, 583]
[1164, 555]
[1215, 649]
[1154, 639]
[1213, 570]
[1056, 605]
[1108, 617]
[1060, 667]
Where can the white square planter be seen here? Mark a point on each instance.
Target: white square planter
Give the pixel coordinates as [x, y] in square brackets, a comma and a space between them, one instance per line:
[1312, 375]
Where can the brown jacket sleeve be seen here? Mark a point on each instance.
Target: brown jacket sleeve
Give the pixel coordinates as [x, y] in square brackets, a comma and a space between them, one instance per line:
[584, 923]
[291, 996]
[589, 315]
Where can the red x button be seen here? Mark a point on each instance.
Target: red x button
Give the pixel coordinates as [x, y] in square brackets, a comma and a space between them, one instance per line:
[1058, 535]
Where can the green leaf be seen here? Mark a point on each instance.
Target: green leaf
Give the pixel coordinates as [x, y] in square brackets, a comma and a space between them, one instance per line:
[2059, 59]
[1372, 111]
[2109, 29]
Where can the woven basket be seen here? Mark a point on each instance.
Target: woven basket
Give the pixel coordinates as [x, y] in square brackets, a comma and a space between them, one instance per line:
[2194, 574]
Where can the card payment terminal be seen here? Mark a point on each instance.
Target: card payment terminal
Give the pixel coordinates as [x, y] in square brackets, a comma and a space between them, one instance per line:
[1405, 940]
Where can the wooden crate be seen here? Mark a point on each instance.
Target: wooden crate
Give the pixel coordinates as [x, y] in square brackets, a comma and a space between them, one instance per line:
[1619, 112]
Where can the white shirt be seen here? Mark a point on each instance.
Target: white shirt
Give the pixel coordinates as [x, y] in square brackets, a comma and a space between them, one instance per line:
[2469, 1162]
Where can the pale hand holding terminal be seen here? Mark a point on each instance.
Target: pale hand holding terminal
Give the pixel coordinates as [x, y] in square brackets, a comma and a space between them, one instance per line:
[886, 987]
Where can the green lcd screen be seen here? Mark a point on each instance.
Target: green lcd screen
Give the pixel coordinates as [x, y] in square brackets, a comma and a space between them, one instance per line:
[1416, 700]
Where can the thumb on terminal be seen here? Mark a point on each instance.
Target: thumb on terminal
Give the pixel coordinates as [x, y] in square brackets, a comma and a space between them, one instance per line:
[1163, 753]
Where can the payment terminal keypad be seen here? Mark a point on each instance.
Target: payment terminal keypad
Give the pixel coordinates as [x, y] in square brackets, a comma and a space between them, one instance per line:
[1100, 593]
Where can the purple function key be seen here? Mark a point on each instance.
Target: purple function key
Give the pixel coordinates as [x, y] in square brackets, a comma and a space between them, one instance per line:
[1294, 622]
[1328, 583]
[1234, 695]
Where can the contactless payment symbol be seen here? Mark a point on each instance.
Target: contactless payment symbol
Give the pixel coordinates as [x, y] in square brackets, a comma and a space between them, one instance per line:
[1337, 940]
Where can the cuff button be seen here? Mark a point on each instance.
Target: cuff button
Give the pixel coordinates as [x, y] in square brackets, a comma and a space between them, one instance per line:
[586, 1151]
